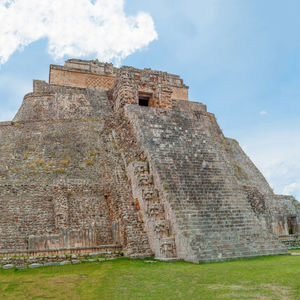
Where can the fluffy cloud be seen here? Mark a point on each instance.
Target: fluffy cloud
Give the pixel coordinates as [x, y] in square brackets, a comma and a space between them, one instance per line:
[276, 154]
[74, 28]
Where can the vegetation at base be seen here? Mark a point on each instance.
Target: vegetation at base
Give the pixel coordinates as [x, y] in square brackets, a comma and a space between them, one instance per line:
[275, 277]
[296, 249]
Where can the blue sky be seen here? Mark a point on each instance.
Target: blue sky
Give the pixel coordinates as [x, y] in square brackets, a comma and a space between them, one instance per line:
[239, 57]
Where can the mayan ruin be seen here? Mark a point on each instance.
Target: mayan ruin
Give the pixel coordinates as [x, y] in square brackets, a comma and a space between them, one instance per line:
[120, 160]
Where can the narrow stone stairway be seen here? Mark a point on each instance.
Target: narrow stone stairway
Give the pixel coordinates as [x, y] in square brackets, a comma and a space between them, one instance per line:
[152, 211]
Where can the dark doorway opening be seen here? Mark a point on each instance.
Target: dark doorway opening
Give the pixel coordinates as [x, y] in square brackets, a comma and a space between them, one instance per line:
[292, 225]
[144, 100]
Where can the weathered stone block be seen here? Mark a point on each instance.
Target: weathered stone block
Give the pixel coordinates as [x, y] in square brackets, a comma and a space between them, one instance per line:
[35, 265]
[8, 266]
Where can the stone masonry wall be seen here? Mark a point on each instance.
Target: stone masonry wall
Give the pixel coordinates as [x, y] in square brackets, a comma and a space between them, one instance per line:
[245, 171]
[62, 179]
[273, 210]
[24, 212]
[210, 215]
[48, 172]
[86, 167]
[81, 74]
[282, 208]
[132, 83]
[79, 79]
[50, 102]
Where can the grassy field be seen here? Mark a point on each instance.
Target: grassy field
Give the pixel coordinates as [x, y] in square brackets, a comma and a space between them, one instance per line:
[259, 278]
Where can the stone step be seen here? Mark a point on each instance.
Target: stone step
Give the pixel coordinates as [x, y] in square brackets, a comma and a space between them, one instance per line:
[152, 210]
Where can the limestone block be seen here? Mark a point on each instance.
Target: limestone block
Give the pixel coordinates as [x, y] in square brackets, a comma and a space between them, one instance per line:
[8, 266]
[75, 261]
[35, 265]
[53, 263]
[65, 262]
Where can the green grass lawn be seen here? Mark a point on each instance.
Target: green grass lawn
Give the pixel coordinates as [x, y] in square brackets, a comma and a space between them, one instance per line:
[259, 278]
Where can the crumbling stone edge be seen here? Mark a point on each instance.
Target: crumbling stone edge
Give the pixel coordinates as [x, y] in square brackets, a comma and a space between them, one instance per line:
[31, 262]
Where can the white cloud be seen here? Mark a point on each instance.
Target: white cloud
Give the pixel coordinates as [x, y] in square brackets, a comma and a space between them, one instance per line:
[263, 112]
[74, 28]
[292, 188]
[276, 154]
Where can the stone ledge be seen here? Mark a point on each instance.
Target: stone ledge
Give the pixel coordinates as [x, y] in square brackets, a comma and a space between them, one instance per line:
[113, 247]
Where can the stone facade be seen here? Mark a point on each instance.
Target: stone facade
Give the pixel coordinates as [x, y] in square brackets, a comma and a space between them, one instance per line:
[81, 74]
[133, 86]
[121, 162]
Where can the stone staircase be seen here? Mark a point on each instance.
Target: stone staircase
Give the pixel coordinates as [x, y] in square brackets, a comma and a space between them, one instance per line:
[151, 211]
[210, 215]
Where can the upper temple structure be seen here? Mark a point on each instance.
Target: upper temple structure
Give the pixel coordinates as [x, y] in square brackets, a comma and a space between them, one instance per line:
[119, 159]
